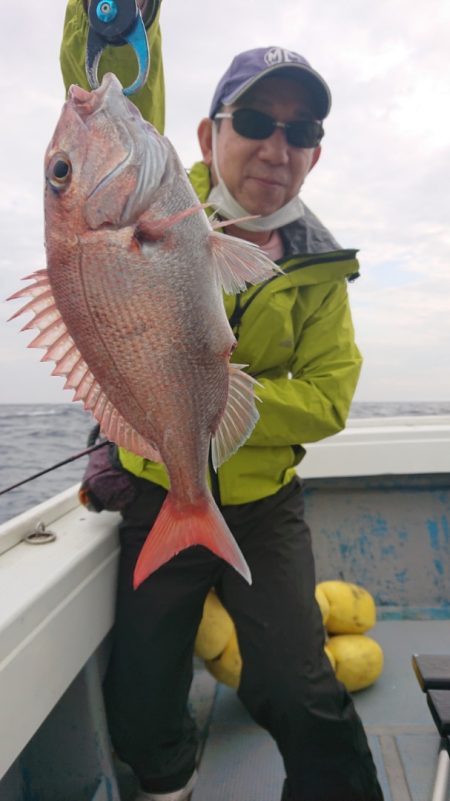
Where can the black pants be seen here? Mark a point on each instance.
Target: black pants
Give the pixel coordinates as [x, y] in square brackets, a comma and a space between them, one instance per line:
[287, 684]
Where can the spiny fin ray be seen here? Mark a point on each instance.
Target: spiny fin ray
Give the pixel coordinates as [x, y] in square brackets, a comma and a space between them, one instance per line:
[62, 350]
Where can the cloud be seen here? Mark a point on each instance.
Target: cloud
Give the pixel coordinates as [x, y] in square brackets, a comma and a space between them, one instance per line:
[381, 184]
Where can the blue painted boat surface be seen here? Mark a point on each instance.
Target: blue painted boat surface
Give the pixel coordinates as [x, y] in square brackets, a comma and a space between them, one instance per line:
[378, 502]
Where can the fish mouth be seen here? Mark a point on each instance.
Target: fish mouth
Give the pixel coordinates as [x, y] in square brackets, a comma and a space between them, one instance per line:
[140, 149]
[88, 102]
[104, 100]
[78, 95]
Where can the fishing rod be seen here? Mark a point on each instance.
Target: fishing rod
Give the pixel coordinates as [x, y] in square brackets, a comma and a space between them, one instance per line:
[55, 466]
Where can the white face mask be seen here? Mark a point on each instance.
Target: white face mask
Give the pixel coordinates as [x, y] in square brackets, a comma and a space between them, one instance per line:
[221, 199]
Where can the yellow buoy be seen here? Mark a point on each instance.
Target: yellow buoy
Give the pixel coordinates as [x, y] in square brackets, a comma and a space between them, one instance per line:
[347, 611]
[215, 629]
[227, 667]
[352, 608]
[358, 658]
[322, 600]
[330, 657]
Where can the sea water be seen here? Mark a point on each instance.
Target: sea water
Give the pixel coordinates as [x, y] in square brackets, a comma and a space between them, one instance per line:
[34, 437]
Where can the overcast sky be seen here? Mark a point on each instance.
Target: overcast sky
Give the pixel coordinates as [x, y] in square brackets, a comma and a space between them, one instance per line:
[382, 184]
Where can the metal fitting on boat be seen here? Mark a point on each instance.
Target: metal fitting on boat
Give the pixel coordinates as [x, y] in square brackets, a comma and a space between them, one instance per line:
[40, 536]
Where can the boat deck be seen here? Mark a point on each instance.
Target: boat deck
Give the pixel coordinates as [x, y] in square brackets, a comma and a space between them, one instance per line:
[240, 762]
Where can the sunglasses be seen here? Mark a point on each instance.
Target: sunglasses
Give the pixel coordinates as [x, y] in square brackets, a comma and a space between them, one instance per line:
[253, 124]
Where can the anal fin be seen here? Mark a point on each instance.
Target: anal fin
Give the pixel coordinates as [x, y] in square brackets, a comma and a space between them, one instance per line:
[239, 418]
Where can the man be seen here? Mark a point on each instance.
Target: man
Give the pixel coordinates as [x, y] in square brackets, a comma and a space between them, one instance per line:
[259, 142]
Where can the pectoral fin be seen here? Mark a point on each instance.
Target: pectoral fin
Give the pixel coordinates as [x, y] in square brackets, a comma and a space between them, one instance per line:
[150, 228]
[239, 262]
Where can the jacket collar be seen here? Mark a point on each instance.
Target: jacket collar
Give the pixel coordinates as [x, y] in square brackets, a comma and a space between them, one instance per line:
[307, 236]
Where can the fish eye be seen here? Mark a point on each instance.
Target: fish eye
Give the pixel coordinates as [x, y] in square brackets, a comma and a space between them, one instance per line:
[59, 171]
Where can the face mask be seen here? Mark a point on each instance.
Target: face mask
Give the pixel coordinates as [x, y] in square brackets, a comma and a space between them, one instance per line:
[221, 199]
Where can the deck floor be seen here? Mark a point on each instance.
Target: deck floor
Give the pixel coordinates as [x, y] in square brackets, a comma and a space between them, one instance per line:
[240, 762]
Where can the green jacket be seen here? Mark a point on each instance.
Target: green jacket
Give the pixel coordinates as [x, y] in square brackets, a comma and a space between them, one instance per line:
[294, 332]
[120, 60]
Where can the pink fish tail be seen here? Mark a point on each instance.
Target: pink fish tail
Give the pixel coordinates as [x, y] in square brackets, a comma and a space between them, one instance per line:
[178, 528]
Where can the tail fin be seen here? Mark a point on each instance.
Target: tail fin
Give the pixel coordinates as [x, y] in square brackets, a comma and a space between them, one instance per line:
[176, 528]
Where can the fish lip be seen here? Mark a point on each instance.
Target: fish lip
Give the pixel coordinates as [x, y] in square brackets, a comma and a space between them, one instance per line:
[78, 95]
[84, 104]
[87, 102]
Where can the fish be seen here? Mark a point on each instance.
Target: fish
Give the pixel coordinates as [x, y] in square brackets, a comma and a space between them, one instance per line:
[130, 309]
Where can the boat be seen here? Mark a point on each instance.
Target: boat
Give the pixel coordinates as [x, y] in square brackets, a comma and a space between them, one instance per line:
[378, 502]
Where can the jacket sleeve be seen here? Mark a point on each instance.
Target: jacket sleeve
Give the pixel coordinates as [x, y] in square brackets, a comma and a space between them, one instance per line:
[314, 401]
[119, 60]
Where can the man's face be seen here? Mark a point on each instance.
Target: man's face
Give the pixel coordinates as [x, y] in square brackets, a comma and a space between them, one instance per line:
[263, 175]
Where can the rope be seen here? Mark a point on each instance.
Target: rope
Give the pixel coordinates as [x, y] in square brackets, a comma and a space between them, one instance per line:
[55, 466]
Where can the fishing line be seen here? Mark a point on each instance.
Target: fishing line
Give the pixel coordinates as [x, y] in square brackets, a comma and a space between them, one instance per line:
[55, 466]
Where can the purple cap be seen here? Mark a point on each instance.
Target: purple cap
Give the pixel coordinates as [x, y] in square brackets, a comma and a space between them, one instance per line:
[249, 67]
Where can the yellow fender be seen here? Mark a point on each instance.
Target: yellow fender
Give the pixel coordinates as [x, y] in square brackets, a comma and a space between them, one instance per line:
[324, 604]
[330, 657]
[358, 660]
[347, 611]
[215, 630]
[227, 667]
[352, 608]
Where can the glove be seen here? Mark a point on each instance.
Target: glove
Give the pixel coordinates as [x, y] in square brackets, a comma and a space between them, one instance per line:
[105, 483]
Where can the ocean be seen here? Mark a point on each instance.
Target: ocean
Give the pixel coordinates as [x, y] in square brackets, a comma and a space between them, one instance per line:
[34, 437]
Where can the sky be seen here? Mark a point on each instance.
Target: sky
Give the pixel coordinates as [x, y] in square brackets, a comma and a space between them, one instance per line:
[382, 184]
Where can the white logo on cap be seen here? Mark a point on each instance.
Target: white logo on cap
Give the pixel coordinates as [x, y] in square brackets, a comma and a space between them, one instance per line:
[276, 55]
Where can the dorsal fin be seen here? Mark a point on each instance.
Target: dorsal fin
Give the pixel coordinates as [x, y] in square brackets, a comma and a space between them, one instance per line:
[61, 348]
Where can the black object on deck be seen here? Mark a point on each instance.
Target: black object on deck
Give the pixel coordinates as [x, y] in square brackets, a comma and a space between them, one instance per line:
[432, 671]
[439, 703]
[433, 674]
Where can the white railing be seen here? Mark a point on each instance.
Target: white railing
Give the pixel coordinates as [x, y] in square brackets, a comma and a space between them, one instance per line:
[382, 446]
[56, 607]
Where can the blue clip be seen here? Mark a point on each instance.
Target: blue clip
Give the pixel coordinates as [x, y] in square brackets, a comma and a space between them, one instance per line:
[116, 22]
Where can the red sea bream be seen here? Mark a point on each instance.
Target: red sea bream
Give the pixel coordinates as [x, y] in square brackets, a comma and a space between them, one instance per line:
[130, 310]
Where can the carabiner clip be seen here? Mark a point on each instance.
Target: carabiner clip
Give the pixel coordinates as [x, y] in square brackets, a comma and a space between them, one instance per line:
[116, 22]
